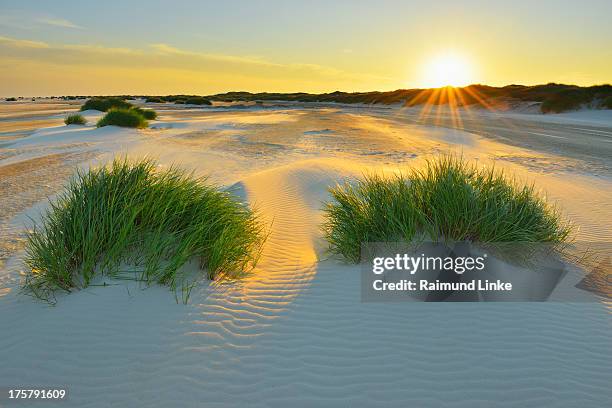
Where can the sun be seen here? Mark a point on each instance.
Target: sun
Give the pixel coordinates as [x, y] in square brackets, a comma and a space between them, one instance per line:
[447, 69]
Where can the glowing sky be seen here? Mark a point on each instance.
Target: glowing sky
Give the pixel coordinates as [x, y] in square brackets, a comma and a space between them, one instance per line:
[203, 47]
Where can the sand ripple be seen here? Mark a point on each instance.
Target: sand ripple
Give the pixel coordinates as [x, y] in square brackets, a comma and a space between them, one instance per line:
[295, 333]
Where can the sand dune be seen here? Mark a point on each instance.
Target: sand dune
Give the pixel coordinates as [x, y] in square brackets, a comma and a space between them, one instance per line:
[294, 332]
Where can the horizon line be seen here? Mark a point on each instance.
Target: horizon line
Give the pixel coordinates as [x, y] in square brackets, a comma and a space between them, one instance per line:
[321, 93]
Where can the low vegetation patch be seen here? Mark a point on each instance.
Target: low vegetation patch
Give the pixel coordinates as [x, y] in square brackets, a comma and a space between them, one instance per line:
[124, 118]
[154, 99]
[129, 213]
[105, 104]
[560, 96]
[11, 99]
[148, 114]
[197, 100]
[75, 119]
[553, 97]
[448, 200]
[564, 101]
[193, 99]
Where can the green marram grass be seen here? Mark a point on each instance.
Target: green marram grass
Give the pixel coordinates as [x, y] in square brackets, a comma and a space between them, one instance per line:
[105, 104]
[124, 118]
[148, 114]
[447, 200]
[128, 116]
[128, 213]
[154, 99]
[197, 100]
[75, 119]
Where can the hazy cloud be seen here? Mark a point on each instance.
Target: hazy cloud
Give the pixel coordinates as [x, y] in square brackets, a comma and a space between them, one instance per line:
[23, 20]
[163, 67]
[12, 42]
[166, 56]
[58, 22]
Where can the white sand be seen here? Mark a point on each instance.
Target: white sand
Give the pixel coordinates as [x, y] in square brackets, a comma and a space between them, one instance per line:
[295, 332]
[586, 116]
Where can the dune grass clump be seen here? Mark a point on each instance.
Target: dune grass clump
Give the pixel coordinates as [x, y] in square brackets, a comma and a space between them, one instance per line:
[129, 213]
[148, 114]
[124, 118]
[75, 119]
[11, 99]
[154, 99]
[563, 102]
[197, 100]
[448, 200]
[105, 104]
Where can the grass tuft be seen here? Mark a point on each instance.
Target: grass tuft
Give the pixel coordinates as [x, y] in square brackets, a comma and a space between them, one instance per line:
[197, 100]
[75, 119]
[123, 117]
[148, 114]
[131, 213]
[105, 104]
[449, 199]
[154, 99]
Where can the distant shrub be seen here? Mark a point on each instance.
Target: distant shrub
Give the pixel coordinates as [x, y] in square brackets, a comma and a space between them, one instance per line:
[197, 100]
[154, 99]
[148, 114]
[607, 103]
[179, 101]
[11, 99]
[105, 104]
[562, 102]
[123, 118]
[75, 119]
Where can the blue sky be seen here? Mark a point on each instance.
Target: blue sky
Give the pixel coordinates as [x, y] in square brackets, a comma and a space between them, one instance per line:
[353, 45]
